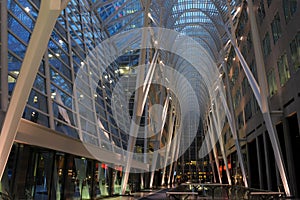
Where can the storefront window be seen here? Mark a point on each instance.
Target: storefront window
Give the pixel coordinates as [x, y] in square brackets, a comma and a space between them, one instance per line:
[117, 177]
[103, 179]
[38, 179]
[37, 173]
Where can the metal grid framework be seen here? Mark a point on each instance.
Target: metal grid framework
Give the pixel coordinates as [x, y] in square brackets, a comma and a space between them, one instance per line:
[89, 23]
[206, 23]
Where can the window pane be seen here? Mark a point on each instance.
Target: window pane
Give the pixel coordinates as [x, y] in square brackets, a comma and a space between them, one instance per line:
[272, 83]
[276, 28]
[283, 69]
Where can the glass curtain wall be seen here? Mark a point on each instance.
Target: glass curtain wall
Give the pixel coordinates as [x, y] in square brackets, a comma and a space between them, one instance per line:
[53, 101]
[37, 173]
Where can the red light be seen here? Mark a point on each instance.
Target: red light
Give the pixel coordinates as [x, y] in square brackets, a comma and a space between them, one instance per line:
[104, 166]
[118, 168]
[229, 165]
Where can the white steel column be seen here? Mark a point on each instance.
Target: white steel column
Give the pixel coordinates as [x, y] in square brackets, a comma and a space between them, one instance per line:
[154, 160]
[232, 123]
[138, 99]
[159, 116]
[218, 129]
[177, 149]
[208, 145]
[174, 151]
[260, 91]
[48, 14]
[212, 165]
[157, 144]
[211, 136]
[174, 168]
[171, 125]
[264, 98]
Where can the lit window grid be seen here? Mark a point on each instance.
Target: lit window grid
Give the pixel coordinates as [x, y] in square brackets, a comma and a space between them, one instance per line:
[58, 43]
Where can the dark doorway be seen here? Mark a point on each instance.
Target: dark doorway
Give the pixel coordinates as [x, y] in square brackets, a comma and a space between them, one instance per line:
[295, 144]
[254, 175]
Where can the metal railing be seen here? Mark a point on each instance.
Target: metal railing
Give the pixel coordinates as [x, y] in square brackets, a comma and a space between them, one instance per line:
[222, 191]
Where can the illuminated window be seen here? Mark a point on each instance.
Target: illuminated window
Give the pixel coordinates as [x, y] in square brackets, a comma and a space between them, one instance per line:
[283, 69]
[266, 45]
[276, 28]
[272, 83]
[289, 9]
[295, 51]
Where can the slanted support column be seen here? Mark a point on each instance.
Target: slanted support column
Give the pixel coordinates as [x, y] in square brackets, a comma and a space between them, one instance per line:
[217, 126]
[264, 101]
[139, 100]
[171, 124]
[154, 160]
[260, 91]
[173, 177]
[172, 160]
[175, 151]
[232, 122]
[213, 143]
[211, 160]
[48, 14]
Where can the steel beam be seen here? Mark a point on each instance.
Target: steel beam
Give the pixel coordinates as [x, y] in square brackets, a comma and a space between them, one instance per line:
[213, 143]
[48, 13]
[232, 123]
[138, 99]
[217, 124]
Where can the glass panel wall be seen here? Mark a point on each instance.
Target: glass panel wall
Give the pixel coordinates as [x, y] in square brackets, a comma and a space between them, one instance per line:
[63, 84]
[38, 173]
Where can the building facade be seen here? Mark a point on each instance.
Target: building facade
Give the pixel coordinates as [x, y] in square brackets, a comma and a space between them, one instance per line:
[279, 38]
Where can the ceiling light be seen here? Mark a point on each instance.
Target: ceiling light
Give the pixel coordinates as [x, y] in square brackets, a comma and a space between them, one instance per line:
[27, 9]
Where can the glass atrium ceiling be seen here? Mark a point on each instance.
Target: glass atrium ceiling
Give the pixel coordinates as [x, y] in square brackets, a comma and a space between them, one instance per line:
[205, 21]
[187, 42]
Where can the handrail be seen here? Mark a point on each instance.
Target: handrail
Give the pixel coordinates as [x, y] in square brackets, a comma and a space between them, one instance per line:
[232, 191]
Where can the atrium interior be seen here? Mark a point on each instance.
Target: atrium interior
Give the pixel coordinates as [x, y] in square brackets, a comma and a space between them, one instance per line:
[103, 98]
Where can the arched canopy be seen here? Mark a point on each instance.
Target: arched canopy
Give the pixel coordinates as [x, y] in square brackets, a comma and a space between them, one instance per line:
[204, 21]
